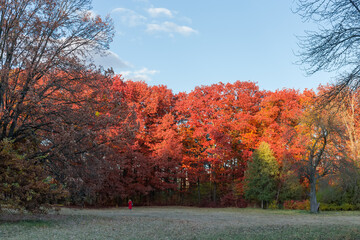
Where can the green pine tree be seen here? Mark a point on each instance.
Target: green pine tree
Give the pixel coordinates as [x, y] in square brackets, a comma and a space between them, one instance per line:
[261, 176]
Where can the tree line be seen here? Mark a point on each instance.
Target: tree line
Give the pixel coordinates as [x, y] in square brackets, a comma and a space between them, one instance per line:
[74, 133]
[220, 145]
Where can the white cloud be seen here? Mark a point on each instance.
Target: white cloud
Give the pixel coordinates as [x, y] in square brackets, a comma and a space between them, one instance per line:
[186, 20]
[110, 60]
[170, 27]
[130, 17]
[160, 12]
[143, 74]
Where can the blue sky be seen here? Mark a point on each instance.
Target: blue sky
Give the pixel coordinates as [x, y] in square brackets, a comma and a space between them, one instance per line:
[189, 43]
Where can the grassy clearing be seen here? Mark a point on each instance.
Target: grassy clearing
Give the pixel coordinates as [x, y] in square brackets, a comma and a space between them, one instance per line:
[184, 223]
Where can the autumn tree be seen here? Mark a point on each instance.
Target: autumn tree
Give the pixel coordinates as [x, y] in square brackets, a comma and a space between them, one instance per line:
[261, 175]
[335, 45]
[217, 123]
[44, 50]
[43, 39]
[349, 111]
[277, 121]
[155, 168]
[321, 133]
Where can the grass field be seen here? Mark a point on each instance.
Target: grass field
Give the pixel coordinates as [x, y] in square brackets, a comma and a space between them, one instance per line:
[183, 223]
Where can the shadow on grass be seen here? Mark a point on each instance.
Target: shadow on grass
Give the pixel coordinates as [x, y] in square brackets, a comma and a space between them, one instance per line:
[30, 220]
[30, 223]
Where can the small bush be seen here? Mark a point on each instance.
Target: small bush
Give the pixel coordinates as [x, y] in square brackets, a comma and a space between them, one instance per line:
[273, 205]
[328, 207]
[25, 183]
[336, 207]
[297, 205]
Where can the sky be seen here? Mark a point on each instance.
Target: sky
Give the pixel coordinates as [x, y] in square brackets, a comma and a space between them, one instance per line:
[187, 43]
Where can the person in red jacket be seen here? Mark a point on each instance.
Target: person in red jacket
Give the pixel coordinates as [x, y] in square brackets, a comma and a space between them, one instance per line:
[130, 204]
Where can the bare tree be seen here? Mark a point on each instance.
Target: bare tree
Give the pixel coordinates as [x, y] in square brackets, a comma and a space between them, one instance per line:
[336, 44]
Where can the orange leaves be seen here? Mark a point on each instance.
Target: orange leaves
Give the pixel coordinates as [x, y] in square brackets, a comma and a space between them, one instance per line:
[206, 136]
[218, 129]
[278, 121]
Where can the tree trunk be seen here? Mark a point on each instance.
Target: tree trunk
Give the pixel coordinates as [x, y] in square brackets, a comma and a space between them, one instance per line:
[182, 189]
[262, 204]
[199, 195]
[214, 193]
[314, 205]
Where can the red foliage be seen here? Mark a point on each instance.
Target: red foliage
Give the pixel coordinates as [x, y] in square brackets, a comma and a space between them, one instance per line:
[277, 122]
[297, 205]
[218, 132]
[190, 148]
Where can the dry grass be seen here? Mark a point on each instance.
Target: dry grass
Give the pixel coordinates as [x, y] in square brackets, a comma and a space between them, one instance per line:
[184, 223]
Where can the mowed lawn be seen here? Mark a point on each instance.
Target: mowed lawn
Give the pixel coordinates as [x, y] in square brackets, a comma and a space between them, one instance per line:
[183, 223]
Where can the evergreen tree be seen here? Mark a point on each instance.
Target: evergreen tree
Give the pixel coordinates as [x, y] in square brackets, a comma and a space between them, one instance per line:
[261, 176]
